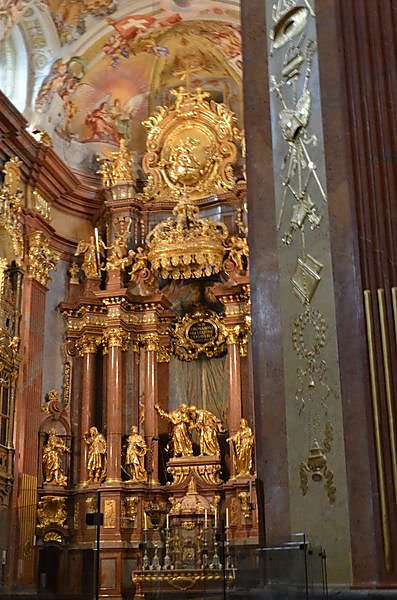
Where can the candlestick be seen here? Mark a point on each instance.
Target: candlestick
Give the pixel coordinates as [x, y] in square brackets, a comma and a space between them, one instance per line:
[227, 518]
[167, 521]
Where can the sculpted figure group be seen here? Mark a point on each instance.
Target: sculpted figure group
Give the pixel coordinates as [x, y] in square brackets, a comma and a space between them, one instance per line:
[185, 419]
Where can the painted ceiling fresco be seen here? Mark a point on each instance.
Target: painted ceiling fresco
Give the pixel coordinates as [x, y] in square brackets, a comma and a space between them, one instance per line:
[97, 68]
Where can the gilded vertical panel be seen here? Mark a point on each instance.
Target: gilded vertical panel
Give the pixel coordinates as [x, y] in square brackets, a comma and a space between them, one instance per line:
[316, 454]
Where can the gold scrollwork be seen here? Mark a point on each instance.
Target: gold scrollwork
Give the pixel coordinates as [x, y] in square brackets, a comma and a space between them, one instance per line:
[202, 332]
[41, 258]
[41, 205]
[11, 206]
[51, 511]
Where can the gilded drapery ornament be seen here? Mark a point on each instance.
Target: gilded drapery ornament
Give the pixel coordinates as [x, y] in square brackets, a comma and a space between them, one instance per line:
[41, 257]
[241, 449]
[135, 457]
[245, 504]
[53, 452]
[97, 455]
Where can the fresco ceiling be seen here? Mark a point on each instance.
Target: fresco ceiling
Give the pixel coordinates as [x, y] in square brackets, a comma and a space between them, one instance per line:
[95, 69]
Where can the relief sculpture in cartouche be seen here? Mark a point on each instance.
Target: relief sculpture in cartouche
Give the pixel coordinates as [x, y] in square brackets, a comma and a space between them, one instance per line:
[51, 511]
[190, 147]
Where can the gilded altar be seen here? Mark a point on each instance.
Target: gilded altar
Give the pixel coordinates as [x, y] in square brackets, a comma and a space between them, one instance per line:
[159, 299]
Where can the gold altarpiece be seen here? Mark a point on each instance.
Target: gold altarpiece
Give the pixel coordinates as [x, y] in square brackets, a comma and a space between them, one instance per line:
[159, 291]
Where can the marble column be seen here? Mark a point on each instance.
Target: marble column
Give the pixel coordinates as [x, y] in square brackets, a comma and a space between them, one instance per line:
[151, 399]
[87, 401]
[114, 404]
[234, 375]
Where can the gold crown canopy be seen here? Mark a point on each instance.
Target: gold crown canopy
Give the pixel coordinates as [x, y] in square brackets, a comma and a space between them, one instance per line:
[186, 246]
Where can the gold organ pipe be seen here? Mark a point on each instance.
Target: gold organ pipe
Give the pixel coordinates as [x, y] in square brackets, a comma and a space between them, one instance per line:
[394, 300]
[387, 552]
[389, 386]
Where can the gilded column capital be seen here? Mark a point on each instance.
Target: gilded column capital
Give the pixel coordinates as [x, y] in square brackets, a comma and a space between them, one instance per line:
[115, 337]
[233, 334]
[88, 344]
[41, 257]
[150, 341]
[163, 353]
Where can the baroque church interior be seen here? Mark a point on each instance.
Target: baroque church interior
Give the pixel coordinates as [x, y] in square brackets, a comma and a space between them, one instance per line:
[198, 299]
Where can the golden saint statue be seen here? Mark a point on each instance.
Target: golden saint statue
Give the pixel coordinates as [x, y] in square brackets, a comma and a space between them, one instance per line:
[135, 456]
[208, 426]
[53, 452]
[241, 447]
[89, 249]
[181, 421]
[97, 455]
